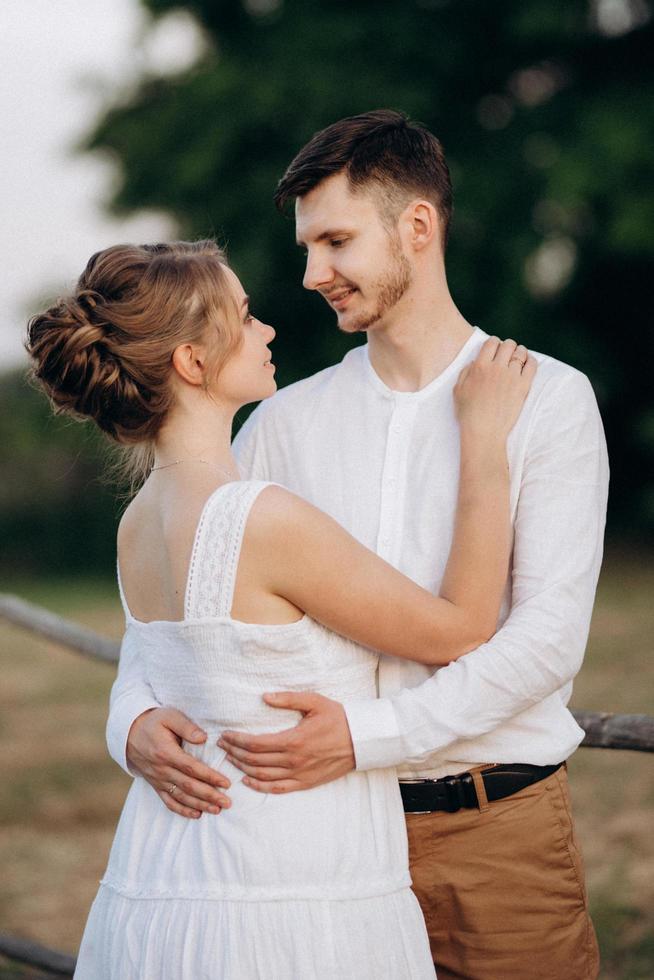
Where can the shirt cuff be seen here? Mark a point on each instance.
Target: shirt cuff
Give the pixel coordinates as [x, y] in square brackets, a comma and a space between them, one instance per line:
[121, 718]
[375, 734]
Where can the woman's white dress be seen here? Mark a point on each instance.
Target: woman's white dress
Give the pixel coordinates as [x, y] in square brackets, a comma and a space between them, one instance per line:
[311, 884]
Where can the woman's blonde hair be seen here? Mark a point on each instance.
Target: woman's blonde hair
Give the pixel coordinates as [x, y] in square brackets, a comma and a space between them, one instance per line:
[105, 351]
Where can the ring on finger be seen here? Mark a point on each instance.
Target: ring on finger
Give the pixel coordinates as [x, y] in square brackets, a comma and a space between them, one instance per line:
[172, 789]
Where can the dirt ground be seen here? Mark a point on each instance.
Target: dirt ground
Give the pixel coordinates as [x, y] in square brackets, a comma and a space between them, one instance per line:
[60, 794]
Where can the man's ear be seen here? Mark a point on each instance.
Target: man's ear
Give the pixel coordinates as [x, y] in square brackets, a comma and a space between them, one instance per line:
[423, 224]
[189, 360]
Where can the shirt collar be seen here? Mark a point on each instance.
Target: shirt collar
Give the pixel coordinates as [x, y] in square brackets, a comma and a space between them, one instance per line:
[452, 369]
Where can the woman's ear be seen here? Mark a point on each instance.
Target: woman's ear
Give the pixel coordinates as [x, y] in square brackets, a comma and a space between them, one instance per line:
[189, 360]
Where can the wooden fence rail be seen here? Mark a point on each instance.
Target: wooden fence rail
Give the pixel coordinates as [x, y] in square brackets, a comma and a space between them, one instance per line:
[603, 731]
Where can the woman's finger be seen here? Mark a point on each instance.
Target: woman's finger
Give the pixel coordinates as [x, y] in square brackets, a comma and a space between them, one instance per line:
[530, 368]
[519, 357]
[488, 350]
[504, 352]
[198, 794]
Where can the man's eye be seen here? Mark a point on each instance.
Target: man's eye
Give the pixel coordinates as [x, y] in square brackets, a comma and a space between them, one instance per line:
[337, 242]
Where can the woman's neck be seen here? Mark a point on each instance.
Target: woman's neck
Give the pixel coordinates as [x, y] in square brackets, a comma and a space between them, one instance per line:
[203, 433]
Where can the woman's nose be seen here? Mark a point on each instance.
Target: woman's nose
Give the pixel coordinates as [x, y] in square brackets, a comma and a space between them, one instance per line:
[268, 332]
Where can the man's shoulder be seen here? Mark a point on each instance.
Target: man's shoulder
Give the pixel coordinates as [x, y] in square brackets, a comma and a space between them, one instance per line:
[555, 382]
[556, 379]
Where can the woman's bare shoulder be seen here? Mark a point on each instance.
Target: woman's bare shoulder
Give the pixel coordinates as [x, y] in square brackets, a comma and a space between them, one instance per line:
[277, 508]
[170, 513]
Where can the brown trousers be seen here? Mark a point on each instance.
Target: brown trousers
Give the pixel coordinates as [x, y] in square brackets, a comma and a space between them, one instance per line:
[502, 888]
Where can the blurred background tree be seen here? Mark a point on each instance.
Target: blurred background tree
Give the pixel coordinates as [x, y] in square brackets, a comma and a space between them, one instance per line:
[546, 112]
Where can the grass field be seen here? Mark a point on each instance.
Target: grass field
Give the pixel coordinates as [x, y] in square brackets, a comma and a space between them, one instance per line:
[60, 794]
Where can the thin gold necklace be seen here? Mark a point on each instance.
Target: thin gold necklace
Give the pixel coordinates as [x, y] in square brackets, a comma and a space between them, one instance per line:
[196, 459]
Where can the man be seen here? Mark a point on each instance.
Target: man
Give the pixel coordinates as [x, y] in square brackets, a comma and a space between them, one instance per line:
[479, 745]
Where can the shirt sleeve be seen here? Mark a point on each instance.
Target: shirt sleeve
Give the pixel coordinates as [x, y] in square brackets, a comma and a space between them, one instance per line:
[559, 526]
[131, 695]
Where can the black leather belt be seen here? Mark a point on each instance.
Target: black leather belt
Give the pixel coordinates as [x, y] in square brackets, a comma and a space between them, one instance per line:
[451, 793]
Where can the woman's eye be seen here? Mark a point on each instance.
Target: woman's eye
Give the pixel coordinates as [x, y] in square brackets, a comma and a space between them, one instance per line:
[337, 242]
[249, 316]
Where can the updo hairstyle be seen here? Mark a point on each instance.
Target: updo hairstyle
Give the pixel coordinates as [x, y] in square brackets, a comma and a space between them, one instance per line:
[105, 352]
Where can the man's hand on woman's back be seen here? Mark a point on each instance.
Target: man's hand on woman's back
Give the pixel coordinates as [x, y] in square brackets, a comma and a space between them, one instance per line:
[186, 785]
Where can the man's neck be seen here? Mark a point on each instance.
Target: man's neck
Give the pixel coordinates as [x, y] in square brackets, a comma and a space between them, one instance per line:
[417, 345]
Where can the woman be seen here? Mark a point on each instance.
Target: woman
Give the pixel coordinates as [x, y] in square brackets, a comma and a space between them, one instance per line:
[232, 588]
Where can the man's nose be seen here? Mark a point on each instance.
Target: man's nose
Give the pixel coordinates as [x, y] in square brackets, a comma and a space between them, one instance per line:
[317, 273]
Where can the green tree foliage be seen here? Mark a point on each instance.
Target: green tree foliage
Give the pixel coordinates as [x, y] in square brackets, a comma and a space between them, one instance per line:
[546, 112]
[56, 512]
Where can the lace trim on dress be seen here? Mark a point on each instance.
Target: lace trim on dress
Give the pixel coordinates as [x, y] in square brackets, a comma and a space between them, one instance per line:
[217, 548]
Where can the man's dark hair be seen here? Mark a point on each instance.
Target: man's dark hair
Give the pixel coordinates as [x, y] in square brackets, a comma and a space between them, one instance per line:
[382, 148]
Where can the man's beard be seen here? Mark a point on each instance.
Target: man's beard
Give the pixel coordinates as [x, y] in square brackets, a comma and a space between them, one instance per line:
[389, 289]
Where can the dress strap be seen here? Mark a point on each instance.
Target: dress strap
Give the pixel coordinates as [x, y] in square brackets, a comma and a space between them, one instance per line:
[121, 592]
[217, 548]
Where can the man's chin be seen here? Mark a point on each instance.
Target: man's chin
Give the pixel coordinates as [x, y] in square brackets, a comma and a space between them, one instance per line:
[356, 324]
[352, 328]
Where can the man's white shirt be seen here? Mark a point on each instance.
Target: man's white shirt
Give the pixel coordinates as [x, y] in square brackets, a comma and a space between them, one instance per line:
[385, 465]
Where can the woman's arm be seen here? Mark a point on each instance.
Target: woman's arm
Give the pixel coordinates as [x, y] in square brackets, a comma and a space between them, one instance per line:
[310, 560]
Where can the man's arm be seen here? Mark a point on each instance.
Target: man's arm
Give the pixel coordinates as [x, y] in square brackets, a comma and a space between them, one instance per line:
[144, 739]
[559, 530]
[557, 554]
[130, 697]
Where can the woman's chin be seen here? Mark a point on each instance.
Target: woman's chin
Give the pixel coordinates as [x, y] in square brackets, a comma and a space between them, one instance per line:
[266, 391]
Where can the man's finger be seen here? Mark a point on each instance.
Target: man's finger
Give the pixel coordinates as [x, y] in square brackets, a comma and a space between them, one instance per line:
[199, 793]
[280, 786]
[238, 755]
[295, 700]
[182, 726]
[194, 802]
[277, 742]
[263, 774]
[186, 764]
[172, 804]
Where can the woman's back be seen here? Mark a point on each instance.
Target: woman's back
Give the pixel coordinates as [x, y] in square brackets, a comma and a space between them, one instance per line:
[300, 864]
[155, 542]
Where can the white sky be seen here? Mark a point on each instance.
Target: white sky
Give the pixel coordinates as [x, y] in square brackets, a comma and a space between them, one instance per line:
[62, 61]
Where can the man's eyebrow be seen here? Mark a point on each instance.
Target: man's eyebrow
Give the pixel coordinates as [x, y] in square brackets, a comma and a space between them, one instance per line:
[329, 233]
